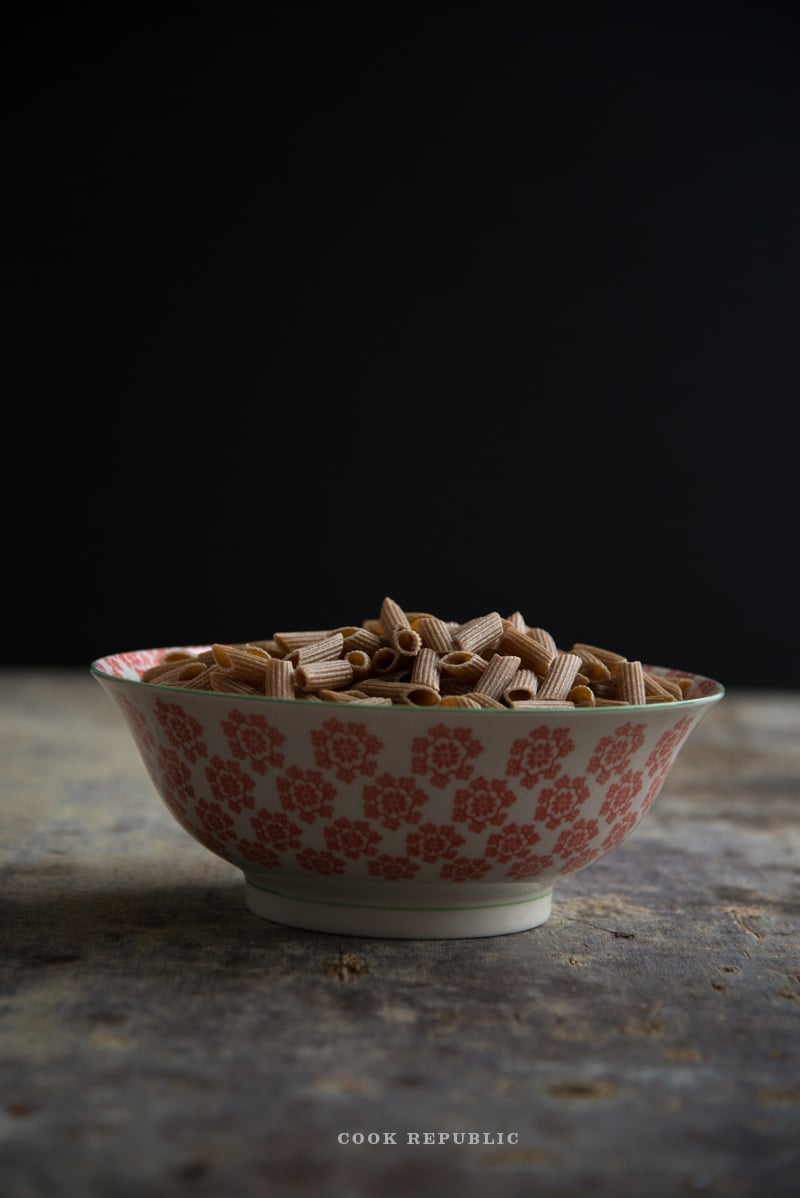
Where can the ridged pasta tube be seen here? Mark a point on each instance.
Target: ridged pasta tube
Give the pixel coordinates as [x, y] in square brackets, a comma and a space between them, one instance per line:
[532, 653]
[316, 675]
[497, 675]
[279, 679]
[630, 682]
[560, 676]
[479, 635]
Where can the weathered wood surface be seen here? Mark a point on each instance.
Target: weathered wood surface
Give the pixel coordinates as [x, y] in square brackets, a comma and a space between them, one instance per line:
[157, 1039]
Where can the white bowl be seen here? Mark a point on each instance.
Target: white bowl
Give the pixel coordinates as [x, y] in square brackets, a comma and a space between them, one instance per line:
[400, 821]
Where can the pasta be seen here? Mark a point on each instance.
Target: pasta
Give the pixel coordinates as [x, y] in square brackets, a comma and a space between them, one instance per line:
[426, 670]
[630, 680]
[560, 676]
[532, 653]
[480, 634]
[279, 678]
[317, 675]
[497, 675]
[417, 659]
[435, 634]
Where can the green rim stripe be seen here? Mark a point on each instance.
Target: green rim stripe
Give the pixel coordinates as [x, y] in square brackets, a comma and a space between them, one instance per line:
[372, 907]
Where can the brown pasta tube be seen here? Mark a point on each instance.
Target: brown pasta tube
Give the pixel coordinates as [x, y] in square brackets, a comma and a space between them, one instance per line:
[523, 685]
[287, 641]
[463, 665]
[325, 649]
[435, 634]
[426, 670]
[386, 660]
[532, 654]
[560, 676]
[612, 660]
[279, 679]
[361, 663]
[392, 616]
[497, 675]
[241, 664]
[410, 693]
[630, 682]
[543, 637]
[318, 675]
[460, 701]
[479, 635]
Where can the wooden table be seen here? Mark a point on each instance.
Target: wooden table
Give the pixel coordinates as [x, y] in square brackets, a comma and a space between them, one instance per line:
[158, 1039]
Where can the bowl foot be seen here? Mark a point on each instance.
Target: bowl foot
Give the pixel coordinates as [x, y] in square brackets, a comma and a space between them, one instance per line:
[377, 916]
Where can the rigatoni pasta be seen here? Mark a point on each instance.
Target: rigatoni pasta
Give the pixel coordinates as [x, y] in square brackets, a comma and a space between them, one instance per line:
[417, 659]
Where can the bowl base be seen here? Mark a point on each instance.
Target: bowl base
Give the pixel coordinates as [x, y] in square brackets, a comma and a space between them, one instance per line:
[377, 916]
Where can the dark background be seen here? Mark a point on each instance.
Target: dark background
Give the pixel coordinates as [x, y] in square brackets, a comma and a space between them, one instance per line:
[473, 306]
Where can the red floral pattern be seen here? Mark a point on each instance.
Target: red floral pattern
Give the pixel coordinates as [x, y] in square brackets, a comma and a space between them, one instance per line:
[320, 862]
[622, 828]
[515, 840]
[348, 749]
[214, 818]
[562, 801]
[306, 793]
[276, 829]
[230, 784]
[392, 869]
[574, 845]
[464, 869]
[394, 801]
[366, 809]
[213, 843]
[703, 687]
[140, 730]
[482, 803]
[182, 730]
[653, 791]
[253, 739]
[258, 853]
[353, 838]
[613, 753]
[667, 746]
[445, 754]
[434, 842]
[538, 755]
[531, 866]
[176, 777]
[620, 795]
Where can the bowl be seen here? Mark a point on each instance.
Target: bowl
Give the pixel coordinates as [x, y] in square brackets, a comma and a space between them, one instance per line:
[400, 821]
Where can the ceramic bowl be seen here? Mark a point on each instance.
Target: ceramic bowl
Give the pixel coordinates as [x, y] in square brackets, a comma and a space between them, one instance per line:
[400, 821]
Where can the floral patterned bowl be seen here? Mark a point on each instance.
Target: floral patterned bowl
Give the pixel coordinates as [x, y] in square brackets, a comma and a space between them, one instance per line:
[400, 821]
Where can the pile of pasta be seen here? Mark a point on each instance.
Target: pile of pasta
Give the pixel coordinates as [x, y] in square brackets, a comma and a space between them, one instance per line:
[416, 659]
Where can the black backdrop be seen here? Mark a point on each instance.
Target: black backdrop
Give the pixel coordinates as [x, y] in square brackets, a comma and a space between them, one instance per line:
[467, 305]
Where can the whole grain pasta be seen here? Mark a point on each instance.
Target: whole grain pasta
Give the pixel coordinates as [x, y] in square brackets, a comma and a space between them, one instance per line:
[463, 665]
[416, 658]
[497, 675]
[279, 678]
[630, 681]
[427, 670]
[326, 648]
[560, 676]
[532, 653]
[243, 665]
[435, 634]
[318, 675]
[287, 641]
[480, 634]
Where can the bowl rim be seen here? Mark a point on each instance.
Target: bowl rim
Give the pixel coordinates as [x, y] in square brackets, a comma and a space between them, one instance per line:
[103, 675]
